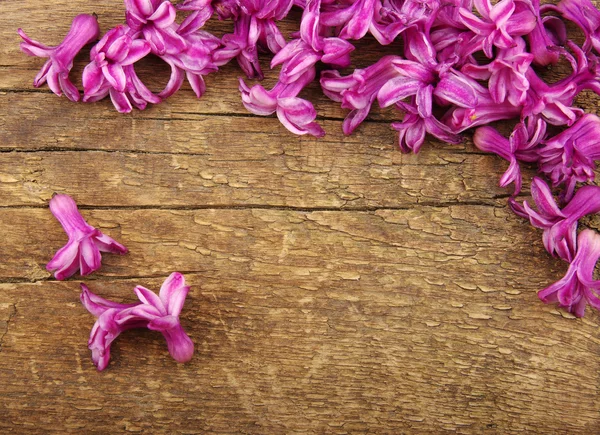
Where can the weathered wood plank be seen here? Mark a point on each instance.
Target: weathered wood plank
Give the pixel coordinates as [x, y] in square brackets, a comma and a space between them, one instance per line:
[277, 357]
[479, 245]
[266, 171]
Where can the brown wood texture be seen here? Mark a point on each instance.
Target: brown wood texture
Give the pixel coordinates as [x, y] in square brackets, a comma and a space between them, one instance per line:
[338, 286]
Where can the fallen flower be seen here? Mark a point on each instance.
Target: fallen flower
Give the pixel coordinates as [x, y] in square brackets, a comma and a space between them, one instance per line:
[55, 71]
[578, 287]
[156, 312]
[111, 71]
[82, 251]
[569, 157]
[559, 225]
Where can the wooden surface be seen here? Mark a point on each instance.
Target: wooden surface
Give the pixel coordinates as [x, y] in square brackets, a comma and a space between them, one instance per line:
[338, 286]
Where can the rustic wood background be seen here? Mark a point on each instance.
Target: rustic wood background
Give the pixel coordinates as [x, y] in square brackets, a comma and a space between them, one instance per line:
[338, 286]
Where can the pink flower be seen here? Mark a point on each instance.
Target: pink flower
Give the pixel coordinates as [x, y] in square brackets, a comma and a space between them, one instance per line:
[111, 71]
[578, 287]
[559, 225]
[499, 23]
[296, 114]
[506, 74]
[156, 21]
[569, 157]
[82, 251]
[359, 90]
[156, 312]
[521, 145]
[55, 71]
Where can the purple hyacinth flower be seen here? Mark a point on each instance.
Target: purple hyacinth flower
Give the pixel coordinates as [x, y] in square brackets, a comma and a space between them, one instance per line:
[391, 18]
[111, 71]
[505, 74]
[559, 225]
[568, 158]
[359, 90]
[296, 114]
[500, 23]
[520, 145]
[55, 71]
[156, 21]
[254, 30]
[196, 61]
[82, 251]
[585, 15]
[156, 312]
[354, 19]
[578, 287]
[546, 39]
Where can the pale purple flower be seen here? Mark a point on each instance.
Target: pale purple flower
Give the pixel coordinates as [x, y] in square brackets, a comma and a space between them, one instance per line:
[195, 62]
[156, 312]
[82, 251]
[500, 23]
[111, 71]
[578, 287]
[568, 157]
[585, 15]
[254, 30]
[392, 17]
[484, 112]
[413, 128]
[554, 102]
[296, 114]
[521, 145]
[353, 19]
[505, 74]
[546, 38]
[559, 225]
[156, 21]
[359, 90]
[55, 71]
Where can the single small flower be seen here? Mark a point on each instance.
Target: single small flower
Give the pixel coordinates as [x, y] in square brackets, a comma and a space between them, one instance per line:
[519, 146]
[354, 19]
[585, 15]
[578, 287]
[359, 90]
[559, 225]
[569, 157]
[391, 18]
[505, 74]
[55, 71]
[156, 21]
[82, 251]
[155, 312]
[500, 23]
[296, 114]
[546, 38]
[111, 71]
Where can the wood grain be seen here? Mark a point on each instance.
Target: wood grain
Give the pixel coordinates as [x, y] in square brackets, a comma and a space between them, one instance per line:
[338, 286]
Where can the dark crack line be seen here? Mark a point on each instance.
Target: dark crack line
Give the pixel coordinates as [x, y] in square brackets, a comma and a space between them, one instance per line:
[366, 209]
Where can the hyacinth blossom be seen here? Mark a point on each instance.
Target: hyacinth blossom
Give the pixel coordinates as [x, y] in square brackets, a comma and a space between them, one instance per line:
[520, 146]
[111, 71]
[568, 158]
[82, 251]
[155, 312]
[55, 71]
[499, 24]
[578, 287]
[559, 225]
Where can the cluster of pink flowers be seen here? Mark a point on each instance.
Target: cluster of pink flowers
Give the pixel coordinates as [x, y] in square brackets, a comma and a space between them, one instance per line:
[463, 64]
